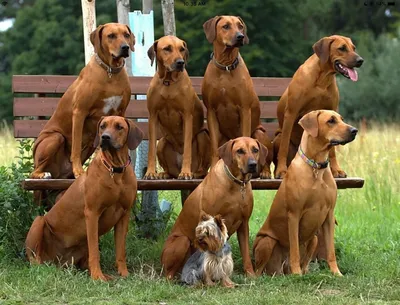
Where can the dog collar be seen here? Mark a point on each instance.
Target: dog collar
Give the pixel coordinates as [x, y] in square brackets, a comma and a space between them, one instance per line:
[242, 183]
[110, 70]
[114, 170]
[315, 165]
[223, 67]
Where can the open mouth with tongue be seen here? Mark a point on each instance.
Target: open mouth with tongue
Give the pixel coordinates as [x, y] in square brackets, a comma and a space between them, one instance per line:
[350, 73]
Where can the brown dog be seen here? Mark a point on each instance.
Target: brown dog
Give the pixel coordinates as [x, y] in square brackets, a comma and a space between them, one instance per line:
[233, 108]
[102, 88]
[305, 200]
[226, 191]
[175, 107]
[313, 87]
[97, 201]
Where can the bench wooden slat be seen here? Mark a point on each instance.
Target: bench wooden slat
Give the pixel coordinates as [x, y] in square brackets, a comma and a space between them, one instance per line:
[45, 106]
[32, 128]
[175, 184]
[264, 86]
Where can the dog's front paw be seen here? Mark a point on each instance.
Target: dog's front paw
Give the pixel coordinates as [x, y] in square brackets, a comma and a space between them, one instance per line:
[100, 276]
[163, 175]
[280, 173]
[265, 174]
[338, 173]
[185, 176]
[150, 176]
[228, 283]
[123, 272]
[78, 171]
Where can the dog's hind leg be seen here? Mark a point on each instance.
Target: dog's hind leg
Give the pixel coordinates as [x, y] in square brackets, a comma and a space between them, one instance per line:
[34, 239]
[201, 159]
[173, 257]
[263, 247]
[261, 135]
[311, 246]
[169, 160]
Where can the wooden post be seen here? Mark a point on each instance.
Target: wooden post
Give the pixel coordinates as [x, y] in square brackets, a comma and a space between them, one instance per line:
[123, 9]
[147, 6]
[168, 12]
[89, 25]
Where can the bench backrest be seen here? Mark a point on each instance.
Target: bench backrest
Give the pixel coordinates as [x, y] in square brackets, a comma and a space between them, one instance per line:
[36, 97]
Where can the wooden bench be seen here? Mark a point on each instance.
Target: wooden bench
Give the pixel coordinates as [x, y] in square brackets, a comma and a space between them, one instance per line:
[36, 97]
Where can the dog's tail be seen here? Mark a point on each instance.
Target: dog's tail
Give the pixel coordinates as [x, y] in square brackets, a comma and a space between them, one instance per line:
[34, 239]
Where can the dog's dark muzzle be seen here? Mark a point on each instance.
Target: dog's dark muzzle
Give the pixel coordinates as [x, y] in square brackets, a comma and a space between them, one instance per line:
[106, 142]
[179, 65]
[352, 132]
[251, 166]
[124, 51]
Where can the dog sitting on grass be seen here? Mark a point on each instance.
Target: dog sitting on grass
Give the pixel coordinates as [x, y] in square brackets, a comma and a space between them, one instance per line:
[213, 259]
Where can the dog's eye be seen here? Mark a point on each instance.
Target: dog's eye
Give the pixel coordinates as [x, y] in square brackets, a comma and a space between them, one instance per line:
[240, 27]
[111, 36]
[126, 35]
[226, 26]
[332, 120]
[240, 151]
[119, 127]
[255, 150]
[168, 49]
[343, 48]
[102, 126]
[182, 49]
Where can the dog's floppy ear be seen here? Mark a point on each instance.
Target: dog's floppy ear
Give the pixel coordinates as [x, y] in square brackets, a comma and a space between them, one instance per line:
[152, 52]
[97, 138]
[95, 38]
[186, 56]
[263, 153]
[246, 38]
[219, 221]
[322, 48]
[135, 135]
[309, 122]
[225, 152]
[209, 28]
[132, 39]
[204, 216]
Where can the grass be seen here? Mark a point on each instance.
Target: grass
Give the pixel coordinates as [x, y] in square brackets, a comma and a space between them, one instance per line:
[367, 242]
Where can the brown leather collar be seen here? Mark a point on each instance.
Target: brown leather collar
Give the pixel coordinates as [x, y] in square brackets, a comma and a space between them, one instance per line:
[242, 183]
[230, 67]
[112, 169]
[110, 70]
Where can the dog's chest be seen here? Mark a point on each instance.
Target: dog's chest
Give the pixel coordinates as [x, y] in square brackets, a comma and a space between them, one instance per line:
[111, 104]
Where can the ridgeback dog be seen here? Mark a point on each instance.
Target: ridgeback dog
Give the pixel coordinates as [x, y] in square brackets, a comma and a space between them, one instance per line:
[305, 201]
[313, 87]
[97, 201]
[233, 107]
[226, 190]
[183, 151]
[102, 88]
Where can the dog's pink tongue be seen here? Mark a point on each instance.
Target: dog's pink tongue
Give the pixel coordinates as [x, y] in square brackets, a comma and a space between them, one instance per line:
[352, 74]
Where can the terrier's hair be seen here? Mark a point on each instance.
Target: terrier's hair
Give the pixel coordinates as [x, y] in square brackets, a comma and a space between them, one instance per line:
[213, 259]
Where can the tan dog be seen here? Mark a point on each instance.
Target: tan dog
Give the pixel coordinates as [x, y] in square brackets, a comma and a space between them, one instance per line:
[313, 87]
[102, 88]
[305, 200]
[226, 190]
[233, 108]
[175, 107]
[97, 201]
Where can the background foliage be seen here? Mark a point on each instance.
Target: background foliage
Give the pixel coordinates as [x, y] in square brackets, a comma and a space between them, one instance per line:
[47, 38]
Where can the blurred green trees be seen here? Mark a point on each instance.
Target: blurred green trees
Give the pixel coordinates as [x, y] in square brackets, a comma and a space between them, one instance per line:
[47, 38]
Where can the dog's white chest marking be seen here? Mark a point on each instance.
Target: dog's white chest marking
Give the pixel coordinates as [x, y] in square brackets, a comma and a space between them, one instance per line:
[112, 102]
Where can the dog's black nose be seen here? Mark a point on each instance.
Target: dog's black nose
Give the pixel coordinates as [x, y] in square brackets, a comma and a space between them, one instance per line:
[359, 61]
[105, 137]
[125, 47]
[353, 131]
[252, 165]
[180, 62]
[239, 36]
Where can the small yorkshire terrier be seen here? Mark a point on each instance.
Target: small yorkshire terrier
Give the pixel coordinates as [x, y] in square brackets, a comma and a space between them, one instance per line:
[213, 259]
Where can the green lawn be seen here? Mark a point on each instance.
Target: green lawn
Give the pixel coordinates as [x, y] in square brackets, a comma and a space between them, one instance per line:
[367, 243]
